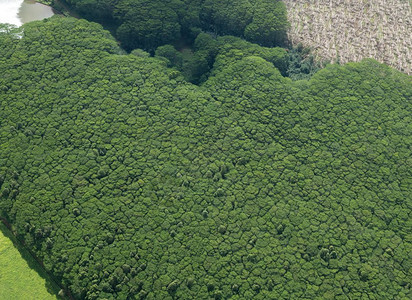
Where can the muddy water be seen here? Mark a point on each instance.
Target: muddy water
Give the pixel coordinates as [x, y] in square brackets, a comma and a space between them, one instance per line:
[30, 10]
[18, 12]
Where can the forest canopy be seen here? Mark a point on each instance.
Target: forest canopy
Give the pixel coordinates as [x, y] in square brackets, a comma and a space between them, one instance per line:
[148, 24]
[129, 182]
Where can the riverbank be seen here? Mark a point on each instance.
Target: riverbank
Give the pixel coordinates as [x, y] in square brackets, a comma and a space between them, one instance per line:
[18, 12]
[62, 7]
[45, 2]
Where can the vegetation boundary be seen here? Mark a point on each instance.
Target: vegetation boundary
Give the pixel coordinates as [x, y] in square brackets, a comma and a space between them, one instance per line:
[20, 243]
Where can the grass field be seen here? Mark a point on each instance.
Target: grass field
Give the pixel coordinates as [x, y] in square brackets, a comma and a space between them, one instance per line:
[21, 277]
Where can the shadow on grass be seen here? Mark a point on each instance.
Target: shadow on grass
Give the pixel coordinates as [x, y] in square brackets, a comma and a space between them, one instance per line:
[51, 285]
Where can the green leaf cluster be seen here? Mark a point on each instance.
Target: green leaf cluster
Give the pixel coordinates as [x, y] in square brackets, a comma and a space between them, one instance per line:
[130, 183]
[301, 63]
[212, 55]
[148, 24]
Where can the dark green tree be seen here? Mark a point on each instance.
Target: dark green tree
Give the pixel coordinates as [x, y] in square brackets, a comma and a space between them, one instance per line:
[147, 24]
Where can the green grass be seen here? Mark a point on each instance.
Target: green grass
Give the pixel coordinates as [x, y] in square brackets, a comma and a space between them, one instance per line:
[21, 276]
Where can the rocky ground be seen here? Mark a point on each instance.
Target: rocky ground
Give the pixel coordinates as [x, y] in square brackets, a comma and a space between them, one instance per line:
[350, 30]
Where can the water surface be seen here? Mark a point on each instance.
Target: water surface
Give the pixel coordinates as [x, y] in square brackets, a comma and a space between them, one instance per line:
[30, 10]
[18, 12]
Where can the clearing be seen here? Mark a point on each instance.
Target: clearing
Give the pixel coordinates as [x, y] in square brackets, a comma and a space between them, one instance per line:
[21, 277]
[350, 30]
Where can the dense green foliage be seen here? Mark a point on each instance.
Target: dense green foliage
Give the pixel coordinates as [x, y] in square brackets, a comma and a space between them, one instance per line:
[150, 23]
[216, 54]
[301, 63]
[147, 23]
[131, 183]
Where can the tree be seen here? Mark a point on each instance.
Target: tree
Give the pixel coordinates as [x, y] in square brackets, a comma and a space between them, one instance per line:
[126, 180]
[269, 23]
[226, 17]
[147, 24]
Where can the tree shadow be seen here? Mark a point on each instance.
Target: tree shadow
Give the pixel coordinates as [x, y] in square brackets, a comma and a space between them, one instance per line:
[51, 285]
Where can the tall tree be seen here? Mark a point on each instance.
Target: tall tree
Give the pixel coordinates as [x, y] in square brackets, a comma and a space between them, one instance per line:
[147, 24]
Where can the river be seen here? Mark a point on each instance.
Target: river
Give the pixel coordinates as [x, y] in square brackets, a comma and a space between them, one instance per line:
[18, 12]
